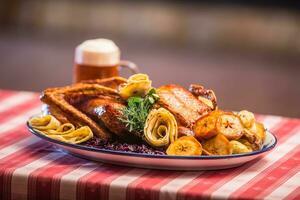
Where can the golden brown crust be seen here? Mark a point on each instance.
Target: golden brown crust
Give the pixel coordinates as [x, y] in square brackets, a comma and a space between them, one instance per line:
[106, 111]
[56, 97]
[113, 82]
[58, 114]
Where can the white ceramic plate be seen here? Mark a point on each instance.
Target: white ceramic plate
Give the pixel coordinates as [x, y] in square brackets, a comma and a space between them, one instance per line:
[142, 160]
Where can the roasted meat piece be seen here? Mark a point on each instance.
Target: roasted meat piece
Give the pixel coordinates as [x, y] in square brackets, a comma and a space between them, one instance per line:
[105, 112]
[63, 103]
[182, 104]
[205, 95]
[97, 104]
[184, 131]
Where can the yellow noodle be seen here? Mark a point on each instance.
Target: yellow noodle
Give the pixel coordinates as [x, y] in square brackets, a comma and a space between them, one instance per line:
[44, 123]
[75, 137]
[136, 85]
[62, 129]
[160, 128]
[52, 128]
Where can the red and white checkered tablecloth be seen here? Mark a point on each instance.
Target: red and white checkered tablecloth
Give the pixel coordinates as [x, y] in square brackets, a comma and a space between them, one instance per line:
[33, 169]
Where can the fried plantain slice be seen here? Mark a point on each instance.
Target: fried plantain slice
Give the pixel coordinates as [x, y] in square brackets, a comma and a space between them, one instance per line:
[238, 147]
[218, 145]
[260, 130]
[230, 126]
[205, 127]
[247, 118]
[254, 140]
[185, 146]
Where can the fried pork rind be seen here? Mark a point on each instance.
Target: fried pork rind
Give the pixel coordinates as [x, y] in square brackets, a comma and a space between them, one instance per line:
[218, 145]
[160, 128]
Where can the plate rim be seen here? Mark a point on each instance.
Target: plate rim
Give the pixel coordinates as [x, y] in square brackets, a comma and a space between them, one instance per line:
[134, 154]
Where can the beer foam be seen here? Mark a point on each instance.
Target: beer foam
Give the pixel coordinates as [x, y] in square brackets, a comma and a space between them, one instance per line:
[97, 52]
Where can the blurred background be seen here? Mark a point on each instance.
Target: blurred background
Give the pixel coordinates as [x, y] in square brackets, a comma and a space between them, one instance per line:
[248, 52]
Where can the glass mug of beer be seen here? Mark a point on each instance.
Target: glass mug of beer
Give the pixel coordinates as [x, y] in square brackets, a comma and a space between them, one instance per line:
[97, 59]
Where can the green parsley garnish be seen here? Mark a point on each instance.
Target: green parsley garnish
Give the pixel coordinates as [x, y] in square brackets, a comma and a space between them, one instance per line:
[137, 110]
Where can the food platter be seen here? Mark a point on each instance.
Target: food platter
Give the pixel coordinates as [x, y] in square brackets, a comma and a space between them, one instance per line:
[129, 122]
[167, 162]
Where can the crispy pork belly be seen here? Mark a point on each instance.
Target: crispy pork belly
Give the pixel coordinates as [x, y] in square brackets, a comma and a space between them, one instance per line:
[182, 104]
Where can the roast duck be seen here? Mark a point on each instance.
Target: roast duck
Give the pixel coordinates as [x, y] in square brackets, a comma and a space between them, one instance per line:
[98, 104]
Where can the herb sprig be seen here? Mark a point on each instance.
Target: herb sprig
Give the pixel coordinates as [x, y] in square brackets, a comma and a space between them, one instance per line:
[137, 110]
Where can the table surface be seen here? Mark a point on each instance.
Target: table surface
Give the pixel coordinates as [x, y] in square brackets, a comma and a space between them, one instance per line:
[33, 169]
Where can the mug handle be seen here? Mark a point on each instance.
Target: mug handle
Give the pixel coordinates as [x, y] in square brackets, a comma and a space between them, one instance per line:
[129, 65]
